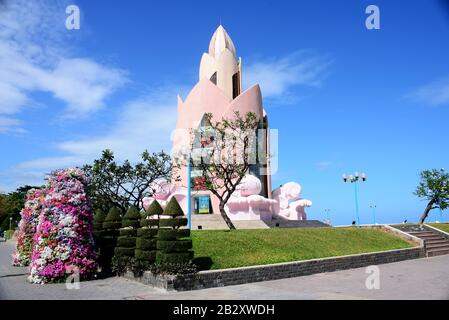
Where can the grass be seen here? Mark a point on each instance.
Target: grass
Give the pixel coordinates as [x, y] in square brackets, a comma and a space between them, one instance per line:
[238, 248]
[441, 226]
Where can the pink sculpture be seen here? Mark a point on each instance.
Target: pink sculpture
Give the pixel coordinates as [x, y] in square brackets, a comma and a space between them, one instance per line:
[163, 191]
[288, 203]
[245, 203]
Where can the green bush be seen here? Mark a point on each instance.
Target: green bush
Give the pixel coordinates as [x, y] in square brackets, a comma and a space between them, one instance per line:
[170, 234]
[149, 222]
[173, 208]
[113, 219]
[172, 247]
[128, 232]
[108, 237]
[126, 242]
[173, 257]
[173, 222]
[145, 253]
[124, 252]
[154, 209]
[99, 218]
[147, 233]
[131, 218]
[146, 244]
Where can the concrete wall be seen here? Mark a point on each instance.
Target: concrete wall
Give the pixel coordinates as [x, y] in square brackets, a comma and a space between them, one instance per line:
[235, 276]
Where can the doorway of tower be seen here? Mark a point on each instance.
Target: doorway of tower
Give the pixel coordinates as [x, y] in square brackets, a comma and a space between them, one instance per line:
[202, 204]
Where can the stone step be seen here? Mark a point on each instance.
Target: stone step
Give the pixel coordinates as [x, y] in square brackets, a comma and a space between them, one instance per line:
[250, 224]
[208, 222]
[433, 237]
[437, 252]
[422, 233]
[440, 241]
[437, 245]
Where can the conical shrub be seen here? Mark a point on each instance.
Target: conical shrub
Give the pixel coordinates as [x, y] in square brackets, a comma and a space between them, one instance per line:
[146, 242]
[126, 242]
[111, 225]
[172, 243]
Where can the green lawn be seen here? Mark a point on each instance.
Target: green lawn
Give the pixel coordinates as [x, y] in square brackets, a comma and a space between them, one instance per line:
[237, 248]
[441, 226]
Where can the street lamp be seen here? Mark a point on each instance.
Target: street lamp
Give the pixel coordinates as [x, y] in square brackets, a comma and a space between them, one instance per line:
[373, 207]
[327, 215]
[354, 179]
[10, 223]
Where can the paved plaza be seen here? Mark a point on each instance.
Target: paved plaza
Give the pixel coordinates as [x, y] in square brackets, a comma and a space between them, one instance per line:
[414, 279]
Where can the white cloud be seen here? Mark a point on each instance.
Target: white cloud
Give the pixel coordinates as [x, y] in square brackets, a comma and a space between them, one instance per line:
[8, 124]
[145, 123]
[433, 94]
[34, 58]
[278, 76]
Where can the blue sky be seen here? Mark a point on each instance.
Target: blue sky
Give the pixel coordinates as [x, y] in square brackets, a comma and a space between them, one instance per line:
[343, 98]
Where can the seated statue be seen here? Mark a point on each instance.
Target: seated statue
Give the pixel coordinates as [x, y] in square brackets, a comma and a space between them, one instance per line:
[246, 203]
[288, 204]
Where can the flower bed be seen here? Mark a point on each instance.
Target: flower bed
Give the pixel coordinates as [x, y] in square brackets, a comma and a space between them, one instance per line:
[27, 227]
[63, 243]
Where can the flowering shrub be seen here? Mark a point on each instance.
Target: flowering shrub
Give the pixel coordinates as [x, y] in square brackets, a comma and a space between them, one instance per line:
[63, 242]
[27, 227]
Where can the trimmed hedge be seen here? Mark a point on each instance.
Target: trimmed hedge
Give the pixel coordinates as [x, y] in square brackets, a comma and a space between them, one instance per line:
[173, 257]
[174, 245]
[131, 218]
[172, 248]
[173, 222]
[146, 244]
[113, 219]
[149, 222]
[123, 252]
[145, 252]
[126, 243]
[146, 232]
[108, 238]
[169, 234]
[145, 255]
[128, 232]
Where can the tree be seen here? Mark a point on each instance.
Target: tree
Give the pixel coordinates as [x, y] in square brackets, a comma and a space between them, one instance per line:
[122, 185]
[227, 150]
[433, 187]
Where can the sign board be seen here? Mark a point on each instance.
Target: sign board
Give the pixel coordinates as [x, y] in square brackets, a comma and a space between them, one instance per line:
[203, 204]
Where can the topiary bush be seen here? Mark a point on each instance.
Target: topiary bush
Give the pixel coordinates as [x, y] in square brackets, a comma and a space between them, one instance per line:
[109, 233]
[146, 243]
[126, 242]
[173, 247]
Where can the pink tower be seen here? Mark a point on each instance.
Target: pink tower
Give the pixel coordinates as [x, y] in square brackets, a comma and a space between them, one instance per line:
[219, 92]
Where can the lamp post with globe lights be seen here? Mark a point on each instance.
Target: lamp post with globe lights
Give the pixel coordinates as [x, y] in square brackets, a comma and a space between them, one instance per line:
[354, 179]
